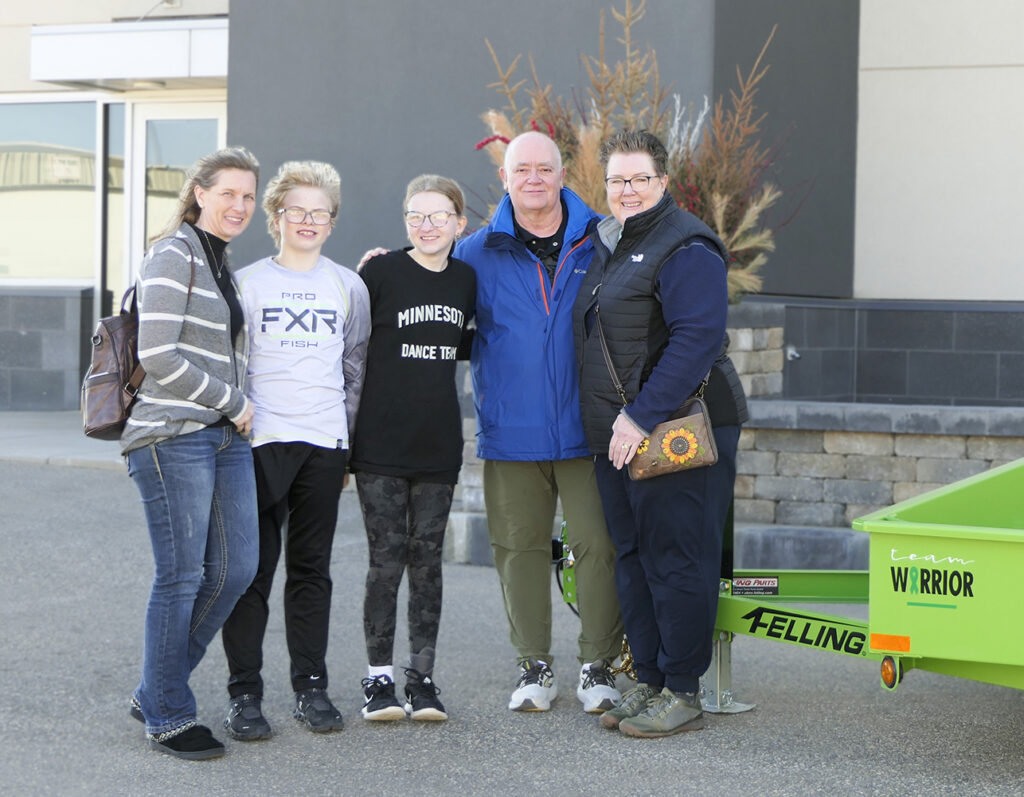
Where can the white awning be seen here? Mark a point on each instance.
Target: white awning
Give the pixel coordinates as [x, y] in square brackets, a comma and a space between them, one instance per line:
[175, 53]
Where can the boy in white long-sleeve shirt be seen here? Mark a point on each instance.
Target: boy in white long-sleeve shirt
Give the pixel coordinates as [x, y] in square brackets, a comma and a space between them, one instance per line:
[309, 322]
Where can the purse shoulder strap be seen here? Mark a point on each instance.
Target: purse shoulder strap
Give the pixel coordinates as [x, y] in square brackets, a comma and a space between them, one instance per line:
[619, 388]
[607, 354]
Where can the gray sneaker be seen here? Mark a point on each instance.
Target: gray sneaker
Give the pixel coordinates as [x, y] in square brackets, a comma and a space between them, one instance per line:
[666, 714]
[631, 704]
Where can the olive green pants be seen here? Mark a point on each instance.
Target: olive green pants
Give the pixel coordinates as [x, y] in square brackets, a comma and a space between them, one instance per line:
[521, 499]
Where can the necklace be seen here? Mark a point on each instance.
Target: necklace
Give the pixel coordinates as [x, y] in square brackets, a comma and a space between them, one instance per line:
[209, 248]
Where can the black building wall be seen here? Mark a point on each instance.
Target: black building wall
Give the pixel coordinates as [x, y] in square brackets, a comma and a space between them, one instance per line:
[388, 90]
[810, 96]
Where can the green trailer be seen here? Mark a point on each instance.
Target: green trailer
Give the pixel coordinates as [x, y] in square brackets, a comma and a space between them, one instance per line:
[944, 587]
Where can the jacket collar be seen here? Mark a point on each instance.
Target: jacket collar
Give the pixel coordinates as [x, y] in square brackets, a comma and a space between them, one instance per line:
[502, 227]
[639, 225]
[611, 232]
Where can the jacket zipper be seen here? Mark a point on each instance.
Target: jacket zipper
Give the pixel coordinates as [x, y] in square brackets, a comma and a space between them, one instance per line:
[543, 282]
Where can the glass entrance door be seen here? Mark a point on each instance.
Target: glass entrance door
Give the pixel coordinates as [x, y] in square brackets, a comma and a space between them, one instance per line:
[166, 139]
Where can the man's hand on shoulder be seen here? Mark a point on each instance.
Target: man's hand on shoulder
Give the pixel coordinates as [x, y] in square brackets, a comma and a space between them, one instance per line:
[369, 255]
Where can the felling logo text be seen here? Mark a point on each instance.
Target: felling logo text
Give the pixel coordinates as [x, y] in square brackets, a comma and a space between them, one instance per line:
[808, 630]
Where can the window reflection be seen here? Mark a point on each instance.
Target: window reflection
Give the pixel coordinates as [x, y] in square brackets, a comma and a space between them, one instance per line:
[172, 146]
[47, 179]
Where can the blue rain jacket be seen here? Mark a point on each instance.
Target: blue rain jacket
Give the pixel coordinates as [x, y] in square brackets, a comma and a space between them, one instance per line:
[523, 361]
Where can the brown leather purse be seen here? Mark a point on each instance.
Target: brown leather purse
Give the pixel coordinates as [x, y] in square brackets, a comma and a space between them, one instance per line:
[684, 442]
[115, 373]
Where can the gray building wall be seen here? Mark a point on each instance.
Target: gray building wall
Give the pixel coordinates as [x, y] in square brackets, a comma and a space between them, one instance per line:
[810, 96]
[387, 91]
[901, 352]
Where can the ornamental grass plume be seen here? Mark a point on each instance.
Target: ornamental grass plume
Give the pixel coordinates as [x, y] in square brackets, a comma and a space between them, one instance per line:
[585, 174]
[717, 164]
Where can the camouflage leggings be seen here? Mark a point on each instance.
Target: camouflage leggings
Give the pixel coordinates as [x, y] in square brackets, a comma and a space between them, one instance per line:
[405, 521]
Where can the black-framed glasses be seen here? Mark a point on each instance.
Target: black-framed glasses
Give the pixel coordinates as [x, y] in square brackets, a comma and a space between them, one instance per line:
[438, 218]
[297, 215]
[618, 184]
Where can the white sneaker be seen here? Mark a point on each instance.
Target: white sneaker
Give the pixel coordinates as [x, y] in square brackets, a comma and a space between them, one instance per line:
[597, 690]
[535, 689]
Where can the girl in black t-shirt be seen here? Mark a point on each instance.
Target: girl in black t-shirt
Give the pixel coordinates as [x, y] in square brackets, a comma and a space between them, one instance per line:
[407, 447]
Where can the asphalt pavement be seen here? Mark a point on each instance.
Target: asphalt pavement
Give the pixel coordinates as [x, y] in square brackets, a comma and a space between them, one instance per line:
[75, 569]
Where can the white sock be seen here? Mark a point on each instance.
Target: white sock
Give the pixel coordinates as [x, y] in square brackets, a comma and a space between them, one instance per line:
[387, 671]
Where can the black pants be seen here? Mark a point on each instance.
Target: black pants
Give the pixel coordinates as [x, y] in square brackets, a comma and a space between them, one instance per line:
[667, 533]
[405, 521]
[300, 483]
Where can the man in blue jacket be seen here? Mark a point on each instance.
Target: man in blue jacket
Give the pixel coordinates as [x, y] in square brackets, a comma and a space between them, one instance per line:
[530, 261]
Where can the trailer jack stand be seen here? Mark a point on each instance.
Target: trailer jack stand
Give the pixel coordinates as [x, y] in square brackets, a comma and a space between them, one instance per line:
[716, 685]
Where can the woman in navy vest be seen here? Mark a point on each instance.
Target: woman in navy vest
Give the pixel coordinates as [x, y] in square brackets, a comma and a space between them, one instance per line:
[659, 279]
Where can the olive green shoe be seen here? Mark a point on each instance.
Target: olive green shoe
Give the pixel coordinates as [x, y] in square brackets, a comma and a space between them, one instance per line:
[666, 714]
[631, 704]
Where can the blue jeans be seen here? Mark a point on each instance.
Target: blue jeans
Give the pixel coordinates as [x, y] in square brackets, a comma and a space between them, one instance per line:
[199, 495]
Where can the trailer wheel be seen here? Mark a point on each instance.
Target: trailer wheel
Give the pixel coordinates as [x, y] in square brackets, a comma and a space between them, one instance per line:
[892, 672]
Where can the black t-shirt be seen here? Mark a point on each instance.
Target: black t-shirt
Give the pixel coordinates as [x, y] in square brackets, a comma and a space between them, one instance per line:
[216, 256]
[215, 250]
[409, 422]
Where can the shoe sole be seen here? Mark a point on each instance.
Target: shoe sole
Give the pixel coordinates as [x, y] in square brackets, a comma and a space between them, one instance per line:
[611, 723]
[334, 726]
[323, 729]
[601, 707]
[136, 714]
[428, 715]
[244, 737]
[630, 730]
[190, 755]
[389, 714]
[529, 705]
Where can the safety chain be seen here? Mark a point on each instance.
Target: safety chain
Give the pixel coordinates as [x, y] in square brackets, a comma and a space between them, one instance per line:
[627, 661]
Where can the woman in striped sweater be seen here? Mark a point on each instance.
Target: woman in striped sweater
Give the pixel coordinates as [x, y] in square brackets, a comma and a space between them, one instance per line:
[186, 445]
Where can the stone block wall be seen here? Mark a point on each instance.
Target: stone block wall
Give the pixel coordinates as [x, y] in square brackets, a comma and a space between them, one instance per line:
[756, 347]
[815, 464]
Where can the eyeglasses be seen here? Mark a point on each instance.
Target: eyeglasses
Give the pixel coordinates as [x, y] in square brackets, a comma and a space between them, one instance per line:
[438, 218]
[297, 215]
[640, 183]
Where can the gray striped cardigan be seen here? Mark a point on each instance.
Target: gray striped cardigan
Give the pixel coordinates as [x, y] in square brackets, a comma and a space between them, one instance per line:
[194, 375]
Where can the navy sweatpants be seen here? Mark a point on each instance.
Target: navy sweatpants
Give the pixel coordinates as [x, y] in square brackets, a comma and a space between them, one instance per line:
[667, 533]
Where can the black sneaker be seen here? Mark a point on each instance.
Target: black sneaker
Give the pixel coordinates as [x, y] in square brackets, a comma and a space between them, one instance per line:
[421, 697]
[135, 709]
[194, 742]
[316, 711]
[381, 703]
[245, 721]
